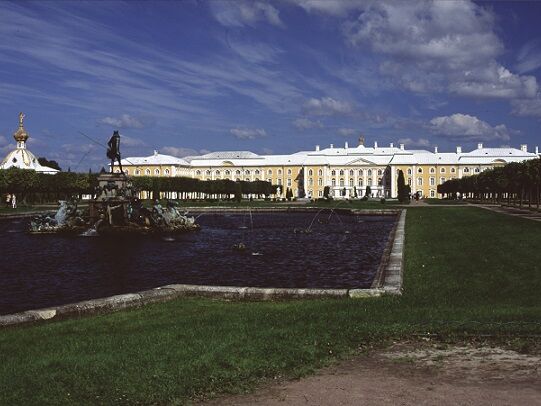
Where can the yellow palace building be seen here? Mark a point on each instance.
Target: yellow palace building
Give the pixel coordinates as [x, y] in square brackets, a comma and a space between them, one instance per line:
[346, 170]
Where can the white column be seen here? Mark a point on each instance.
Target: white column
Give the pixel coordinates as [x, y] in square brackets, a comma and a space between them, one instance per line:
[393, 182]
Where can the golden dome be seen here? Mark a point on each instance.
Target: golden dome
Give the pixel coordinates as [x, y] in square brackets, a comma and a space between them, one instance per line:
[21, 135]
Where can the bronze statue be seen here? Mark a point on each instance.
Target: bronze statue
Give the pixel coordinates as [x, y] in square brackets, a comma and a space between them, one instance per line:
[113, 150]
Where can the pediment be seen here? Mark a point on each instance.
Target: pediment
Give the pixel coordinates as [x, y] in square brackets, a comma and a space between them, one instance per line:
[361, 161]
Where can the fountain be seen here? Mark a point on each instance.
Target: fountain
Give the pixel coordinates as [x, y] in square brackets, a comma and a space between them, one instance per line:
[115, 209]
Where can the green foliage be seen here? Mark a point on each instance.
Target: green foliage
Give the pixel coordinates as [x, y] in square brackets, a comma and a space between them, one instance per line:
[368, 192]
[326, 192]
[51, 164]
[403, 189]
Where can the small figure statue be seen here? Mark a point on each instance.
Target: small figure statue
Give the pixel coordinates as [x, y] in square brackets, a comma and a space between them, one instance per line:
[113, 150]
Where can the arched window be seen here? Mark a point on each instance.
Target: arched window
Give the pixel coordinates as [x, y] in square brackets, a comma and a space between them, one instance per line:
[138, 172]
[420, 170]
[228, 172]
[380, 172]
[156, 172]
[247, 171]
[217, 173]
[466, 170]
[127, 171]
[147, 172]
[370, 172]
[442, 170]
[360, 182]
[453, 170]
[333, 182]
[198, 172]
[269, 172]
[310, 182]
[432, 181]
[320, 182]
[351, 172]
[432, 170]
[442, 180]
[320, 172]
[361, 172]
[477, 170]
[280, 172]
[166, 171]
[257, 172]
[350, 181]
[333, 172]
[419, 181]
[432, 193]
[310, 172]
[237, 172]
[341, 172]
[409, 171]
[289, 171]
[341, 182]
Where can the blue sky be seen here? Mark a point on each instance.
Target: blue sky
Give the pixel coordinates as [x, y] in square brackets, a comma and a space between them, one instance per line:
[270, 77]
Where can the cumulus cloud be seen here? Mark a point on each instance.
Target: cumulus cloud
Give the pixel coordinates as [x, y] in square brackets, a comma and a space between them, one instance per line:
[327, 106]
[122, 121]
[131, 142]
[237, 13]
[466, 127]
[243, 133]
[347, 132]
[419, 143]
[305, 123]
[438, 46]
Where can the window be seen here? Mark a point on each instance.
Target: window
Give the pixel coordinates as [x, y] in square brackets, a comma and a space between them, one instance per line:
[280, 182]
[341, 182]
[360, 172]
[166, 172]
[138, 172]
[289, 171]
[320, 172]
[333, 172]
[289, 182]
[117, 170]
[380, 181]
[360, 182]
[269, 172]
[126, 171]
[320, 182]
[432, 170]
[419, 181]
[351, 172]
[217, 173]
[466, 170]
[256, 179]
[442, 170]
[310, 172]
[350, 181]
[409, 182]
[320, 193]
[228, 172]
[257, 171]
[269, 180]
[370, 172]
[341, 172]
[409, 171]
[247, 171]
[310, 182]
[198, 172]
[420, 170]
[477, 170]
[380, 172]
[442, 181]
[237, 172]
[453, 170]
[147, 172]
[208, 172]
[432, 181]
[432, 193]
[333, 182]
[280, 172]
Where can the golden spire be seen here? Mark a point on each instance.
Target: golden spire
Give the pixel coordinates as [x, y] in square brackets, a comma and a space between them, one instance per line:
[21, 135]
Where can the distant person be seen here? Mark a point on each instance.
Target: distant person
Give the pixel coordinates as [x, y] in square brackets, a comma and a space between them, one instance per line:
[8, 200]
[13, 201]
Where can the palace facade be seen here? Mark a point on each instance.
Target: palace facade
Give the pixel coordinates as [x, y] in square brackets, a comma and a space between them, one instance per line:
[347, 171]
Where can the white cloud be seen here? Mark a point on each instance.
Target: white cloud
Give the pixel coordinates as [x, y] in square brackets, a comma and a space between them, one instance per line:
[131, 142]
[331, 7]
[529, 56]
[238, 13]
[438, 46]
[466, 127]
[123, 121]
[243, 133]
[420, 142]
[305, 123]
[327, 106]
[3, 141]
[527, 108]
[347, 132]
[178, 151]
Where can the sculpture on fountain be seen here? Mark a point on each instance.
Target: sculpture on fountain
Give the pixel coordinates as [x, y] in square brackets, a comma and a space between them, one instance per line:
[115, 209]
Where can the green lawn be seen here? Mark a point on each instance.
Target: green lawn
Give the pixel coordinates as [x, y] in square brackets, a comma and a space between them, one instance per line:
[468, 270]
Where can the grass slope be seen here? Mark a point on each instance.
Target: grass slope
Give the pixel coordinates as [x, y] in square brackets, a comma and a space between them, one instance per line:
[467, 270]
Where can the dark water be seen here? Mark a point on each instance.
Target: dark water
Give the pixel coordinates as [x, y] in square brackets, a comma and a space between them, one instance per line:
[44, 270]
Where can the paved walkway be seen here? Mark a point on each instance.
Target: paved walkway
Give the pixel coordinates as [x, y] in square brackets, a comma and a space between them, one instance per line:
[512, 211]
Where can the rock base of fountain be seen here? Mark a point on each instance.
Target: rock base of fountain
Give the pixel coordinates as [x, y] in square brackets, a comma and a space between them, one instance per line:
[115, 210]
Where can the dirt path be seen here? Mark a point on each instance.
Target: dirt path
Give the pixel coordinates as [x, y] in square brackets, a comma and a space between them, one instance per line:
[407, 374]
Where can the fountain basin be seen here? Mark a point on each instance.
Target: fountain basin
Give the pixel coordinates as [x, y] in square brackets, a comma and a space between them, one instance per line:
[339, 253]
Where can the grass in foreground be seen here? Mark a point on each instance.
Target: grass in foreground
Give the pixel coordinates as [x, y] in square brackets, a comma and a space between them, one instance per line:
[467, 270]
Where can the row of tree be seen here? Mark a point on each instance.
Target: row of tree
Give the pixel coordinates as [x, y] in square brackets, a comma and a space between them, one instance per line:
[34, 187]
[516, 183]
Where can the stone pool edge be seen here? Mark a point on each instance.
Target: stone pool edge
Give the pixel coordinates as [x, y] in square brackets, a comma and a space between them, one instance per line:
[392, 284]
